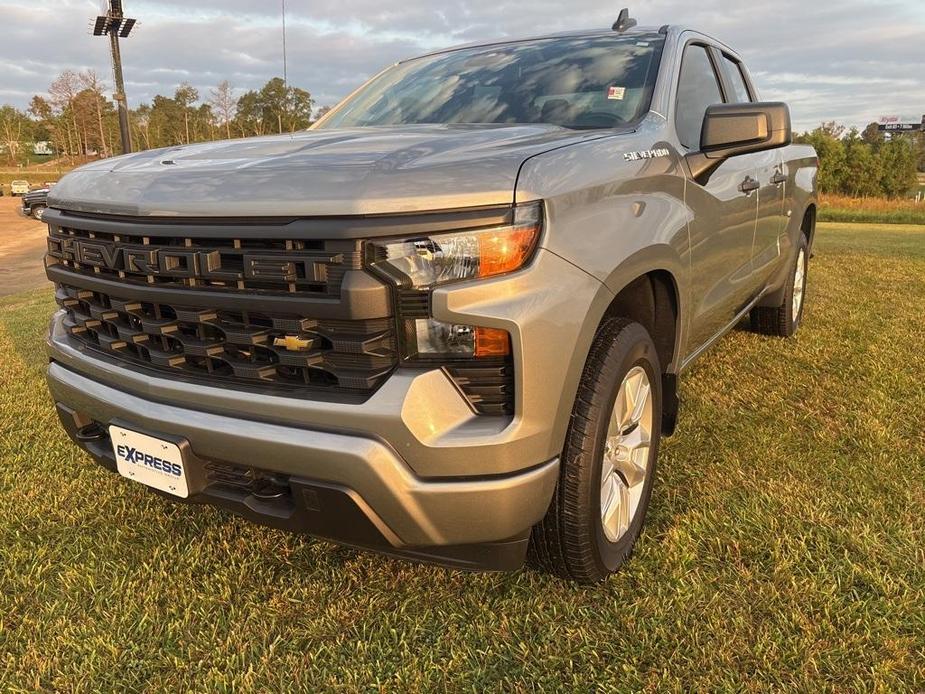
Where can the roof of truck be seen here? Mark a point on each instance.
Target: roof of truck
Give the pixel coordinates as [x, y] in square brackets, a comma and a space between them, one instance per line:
[589, 33]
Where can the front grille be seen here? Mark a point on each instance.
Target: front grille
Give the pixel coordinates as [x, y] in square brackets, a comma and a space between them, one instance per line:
[490, 389]
[236, 346]
[248, 310]
[227, 264]
[263, 303]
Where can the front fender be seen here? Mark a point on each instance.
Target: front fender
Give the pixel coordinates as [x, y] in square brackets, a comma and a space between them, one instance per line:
[615, 216]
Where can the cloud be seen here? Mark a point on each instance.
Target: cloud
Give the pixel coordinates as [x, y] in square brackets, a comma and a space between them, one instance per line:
[831, 59]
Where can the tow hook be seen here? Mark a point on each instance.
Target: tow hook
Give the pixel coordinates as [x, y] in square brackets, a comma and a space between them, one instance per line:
[91, 432]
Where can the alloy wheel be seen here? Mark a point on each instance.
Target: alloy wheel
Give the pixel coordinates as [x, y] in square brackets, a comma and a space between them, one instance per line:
[799, 284]
[625, 466]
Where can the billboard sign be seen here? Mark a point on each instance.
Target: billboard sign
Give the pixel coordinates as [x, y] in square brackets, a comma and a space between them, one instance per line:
[895, 124]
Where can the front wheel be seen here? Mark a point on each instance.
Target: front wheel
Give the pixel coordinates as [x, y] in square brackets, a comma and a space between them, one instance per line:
[608, 463]
[38, 213]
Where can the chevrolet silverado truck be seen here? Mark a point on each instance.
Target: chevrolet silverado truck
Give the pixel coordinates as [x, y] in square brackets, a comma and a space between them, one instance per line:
[447, 322]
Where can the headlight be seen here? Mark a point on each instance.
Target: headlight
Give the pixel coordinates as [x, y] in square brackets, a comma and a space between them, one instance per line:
[417, 265]
[427, 338]
[429, 261]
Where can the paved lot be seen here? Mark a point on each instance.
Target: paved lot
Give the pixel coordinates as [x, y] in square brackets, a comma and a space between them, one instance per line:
[22, 245]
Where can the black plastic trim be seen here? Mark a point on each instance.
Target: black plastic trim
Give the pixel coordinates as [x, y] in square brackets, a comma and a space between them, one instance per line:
[360, 303]
[326, 228]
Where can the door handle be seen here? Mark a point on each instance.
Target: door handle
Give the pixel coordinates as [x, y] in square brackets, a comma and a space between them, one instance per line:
[779, 179]
[749, 185]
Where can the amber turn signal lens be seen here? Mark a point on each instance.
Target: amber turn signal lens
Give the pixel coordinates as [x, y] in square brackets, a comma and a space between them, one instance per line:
[506, 250]
[491, 342]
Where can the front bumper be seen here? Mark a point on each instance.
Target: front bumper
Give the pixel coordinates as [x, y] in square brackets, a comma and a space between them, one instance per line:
[343, 486]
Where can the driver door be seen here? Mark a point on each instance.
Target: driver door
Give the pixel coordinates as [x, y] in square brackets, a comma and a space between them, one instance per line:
[724, 209]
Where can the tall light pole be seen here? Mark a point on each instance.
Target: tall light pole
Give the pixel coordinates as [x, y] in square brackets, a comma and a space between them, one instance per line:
[116, 25]
[285, 61]
[279, 116]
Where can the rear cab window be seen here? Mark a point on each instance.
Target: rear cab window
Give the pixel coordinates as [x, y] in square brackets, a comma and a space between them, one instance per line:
[736, 77]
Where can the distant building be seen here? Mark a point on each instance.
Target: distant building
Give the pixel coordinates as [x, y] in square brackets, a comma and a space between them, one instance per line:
[42, 149]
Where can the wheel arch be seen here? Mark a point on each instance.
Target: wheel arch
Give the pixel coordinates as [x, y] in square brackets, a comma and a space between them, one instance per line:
[808, 225]
[661, 269]
[807, 228]
[648, 289]
[653, 300]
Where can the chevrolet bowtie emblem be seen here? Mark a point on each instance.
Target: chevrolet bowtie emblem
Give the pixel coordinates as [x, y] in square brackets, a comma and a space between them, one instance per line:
[293, 343]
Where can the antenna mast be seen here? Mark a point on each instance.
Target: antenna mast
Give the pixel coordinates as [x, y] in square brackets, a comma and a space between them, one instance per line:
[624, 21]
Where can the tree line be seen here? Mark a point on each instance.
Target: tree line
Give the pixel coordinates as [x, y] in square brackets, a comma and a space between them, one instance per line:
[865, 163]
[78, 119]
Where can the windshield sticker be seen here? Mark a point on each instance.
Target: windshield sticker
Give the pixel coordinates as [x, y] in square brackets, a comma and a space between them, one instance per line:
[616, 93]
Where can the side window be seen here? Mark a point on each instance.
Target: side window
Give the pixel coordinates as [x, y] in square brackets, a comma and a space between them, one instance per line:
[737, 80]
[698, 88]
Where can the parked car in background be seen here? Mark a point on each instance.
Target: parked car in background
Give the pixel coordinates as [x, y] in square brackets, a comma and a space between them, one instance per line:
[34, 203]
[19, 187]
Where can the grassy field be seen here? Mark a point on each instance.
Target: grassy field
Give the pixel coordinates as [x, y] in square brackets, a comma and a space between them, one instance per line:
[840, 208]
[41, 169]
[785, 548]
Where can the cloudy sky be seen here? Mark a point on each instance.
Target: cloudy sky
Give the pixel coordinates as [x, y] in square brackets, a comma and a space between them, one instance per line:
[845, 60]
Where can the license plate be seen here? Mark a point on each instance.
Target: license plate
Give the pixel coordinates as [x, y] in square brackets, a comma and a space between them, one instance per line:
[151, 461]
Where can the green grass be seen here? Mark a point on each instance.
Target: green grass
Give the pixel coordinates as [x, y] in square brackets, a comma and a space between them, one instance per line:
[785, 547]
[854, 216]
[842, 209]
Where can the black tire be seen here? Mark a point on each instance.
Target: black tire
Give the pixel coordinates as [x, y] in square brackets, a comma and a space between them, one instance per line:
[570, 540]
[782, 321]
[37, 212]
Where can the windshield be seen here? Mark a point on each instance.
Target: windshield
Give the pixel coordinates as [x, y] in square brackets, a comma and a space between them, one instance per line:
[587, 82]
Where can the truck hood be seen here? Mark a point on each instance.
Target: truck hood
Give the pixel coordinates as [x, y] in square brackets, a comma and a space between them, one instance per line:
[324, 172]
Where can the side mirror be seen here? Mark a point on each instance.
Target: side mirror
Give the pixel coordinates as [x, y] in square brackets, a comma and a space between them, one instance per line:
[733, 129]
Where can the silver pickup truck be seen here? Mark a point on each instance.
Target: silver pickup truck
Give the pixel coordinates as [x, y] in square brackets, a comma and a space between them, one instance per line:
[448, 322]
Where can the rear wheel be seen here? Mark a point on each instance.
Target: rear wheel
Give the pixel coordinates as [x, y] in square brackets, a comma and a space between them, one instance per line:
[784, 320]
[608, 464]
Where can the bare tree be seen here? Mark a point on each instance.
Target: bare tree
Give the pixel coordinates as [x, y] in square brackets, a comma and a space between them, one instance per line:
[141, 121]
[185, 96]
[11, 125]
[90, 81]
[63, 91]
[224, 104]
[43, 113]
[322, 112]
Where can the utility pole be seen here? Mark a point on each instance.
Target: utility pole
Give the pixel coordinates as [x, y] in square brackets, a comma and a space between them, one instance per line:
[285, 67]
[285, 60]
[116, 25]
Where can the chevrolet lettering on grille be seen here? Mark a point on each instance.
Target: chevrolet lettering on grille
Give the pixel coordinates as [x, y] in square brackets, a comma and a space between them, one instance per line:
[218, 265]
